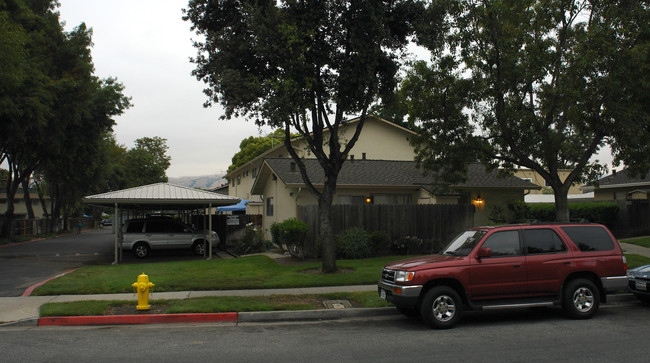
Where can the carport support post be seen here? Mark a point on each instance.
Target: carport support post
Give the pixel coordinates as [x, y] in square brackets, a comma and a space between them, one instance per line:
[116, 227]
[210, 230]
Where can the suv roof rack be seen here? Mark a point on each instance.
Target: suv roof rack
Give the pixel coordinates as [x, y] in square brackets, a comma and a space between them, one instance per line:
[570, 221]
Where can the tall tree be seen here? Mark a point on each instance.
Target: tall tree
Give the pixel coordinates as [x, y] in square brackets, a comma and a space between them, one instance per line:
[305, 66]
[252, 147]
[53, 111]
[542, 84]
[147, 162]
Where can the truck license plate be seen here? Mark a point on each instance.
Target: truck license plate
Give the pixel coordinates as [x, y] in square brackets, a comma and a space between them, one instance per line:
[641, 285]
[382, 294]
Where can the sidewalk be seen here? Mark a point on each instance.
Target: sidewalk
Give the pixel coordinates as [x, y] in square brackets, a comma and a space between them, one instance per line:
[25, 309]
[636, 250]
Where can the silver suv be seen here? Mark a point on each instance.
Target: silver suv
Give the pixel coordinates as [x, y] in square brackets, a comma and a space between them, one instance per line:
[157, 233]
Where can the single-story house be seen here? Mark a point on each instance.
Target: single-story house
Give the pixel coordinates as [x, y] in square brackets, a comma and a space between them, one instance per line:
[620, 185]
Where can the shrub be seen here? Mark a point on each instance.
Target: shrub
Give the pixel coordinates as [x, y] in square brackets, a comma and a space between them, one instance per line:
[600, 212]
[380, 243]
[251, 242]
[407, 245]
[354, 243]
[291, 235]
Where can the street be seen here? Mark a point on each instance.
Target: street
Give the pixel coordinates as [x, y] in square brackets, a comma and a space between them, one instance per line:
[25, 264]
[617, 333]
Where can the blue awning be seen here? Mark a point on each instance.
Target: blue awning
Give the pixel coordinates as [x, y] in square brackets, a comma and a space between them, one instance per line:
[241, 206]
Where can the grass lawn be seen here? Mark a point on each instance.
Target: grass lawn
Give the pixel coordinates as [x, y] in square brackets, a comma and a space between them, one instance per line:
[639, 241]
[253, 272]
[218, 304]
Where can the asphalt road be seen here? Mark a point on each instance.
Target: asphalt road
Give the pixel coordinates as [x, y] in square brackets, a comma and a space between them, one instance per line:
[25, 264]
[617, 333]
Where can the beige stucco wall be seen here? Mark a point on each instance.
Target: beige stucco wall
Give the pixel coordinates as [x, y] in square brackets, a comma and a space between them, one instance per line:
[618, 193]
[492, 199]
[537, 179]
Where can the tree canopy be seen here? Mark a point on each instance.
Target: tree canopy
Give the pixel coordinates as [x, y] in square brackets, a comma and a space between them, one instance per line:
[304, 66]
[538, 84]
[147, 162]
[252, 147]
[53, 111]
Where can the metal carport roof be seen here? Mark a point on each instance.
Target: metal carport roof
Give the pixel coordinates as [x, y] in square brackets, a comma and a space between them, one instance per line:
[159, 196]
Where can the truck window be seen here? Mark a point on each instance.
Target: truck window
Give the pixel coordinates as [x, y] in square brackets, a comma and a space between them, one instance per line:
[590, 238]
[503, 243]
[540, 241]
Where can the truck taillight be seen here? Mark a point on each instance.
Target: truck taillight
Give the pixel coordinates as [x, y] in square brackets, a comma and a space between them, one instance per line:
[624, 263]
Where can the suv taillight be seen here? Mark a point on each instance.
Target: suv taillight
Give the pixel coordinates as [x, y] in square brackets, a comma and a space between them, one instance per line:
[624, 263]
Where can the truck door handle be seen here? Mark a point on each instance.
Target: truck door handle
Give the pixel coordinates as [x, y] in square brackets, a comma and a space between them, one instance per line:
[517, 266]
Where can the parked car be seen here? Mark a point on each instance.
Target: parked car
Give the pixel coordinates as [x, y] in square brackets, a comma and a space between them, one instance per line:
[639, 282]
[572, 265]
[106, 222]
[156, 233]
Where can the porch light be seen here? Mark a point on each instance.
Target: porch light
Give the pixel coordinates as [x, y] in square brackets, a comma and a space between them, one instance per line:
[478, 202]
[369, 200]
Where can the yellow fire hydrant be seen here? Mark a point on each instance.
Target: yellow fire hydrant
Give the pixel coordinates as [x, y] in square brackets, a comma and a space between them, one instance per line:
[143, 285]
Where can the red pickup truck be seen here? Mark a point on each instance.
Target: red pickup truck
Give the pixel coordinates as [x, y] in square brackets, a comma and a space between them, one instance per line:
[573, 265]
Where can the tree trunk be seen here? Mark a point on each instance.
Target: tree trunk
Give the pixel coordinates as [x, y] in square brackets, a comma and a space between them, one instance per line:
[327, 239]
[561, 205]
[28, 200]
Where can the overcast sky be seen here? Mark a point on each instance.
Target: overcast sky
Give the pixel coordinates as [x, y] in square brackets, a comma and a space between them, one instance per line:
[146, 45]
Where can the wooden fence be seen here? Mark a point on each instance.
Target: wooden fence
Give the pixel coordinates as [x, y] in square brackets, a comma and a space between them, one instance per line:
[438, 223]
[33, 227]
[633, 219]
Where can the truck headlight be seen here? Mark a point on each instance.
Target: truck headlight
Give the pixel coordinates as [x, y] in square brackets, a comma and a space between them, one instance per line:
[404, 276]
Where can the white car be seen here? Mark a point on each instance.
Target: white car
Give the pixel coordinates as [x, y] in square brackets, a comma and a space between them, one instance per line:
[156, 233]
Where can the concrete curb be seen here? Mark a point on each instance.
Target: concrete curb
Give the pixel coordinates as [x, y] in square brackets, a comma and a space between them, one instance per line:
[243, 317]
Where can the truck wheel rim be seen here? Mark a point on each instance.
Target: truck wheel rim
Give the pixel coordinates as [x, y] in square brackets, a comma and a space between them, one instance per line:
[583, 299]
[444, 308]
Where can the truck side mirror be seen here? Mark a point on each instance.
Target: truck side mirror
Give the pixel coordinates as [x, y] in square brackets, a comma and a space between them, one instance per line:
[484, 252]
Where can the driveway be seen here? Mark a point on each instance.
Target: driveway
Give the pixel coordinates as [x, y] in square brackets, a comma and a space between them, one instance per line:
[25, 264]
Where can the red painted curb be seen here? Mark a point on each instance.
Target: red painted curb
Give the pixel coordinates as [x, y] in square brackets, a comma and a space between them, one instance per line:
[31, 288]
[138, 319]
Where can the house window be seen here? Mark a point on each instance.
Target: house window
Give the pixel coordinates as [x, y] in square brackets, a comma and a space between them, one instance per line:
[352, 200]
[363, 156]
[254, 173]
[269, 207]
[238, 180]
[393, 199]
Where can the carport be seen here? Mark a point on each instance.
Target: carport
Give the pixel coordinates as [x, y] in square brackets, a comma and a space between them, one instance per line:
[159, 196]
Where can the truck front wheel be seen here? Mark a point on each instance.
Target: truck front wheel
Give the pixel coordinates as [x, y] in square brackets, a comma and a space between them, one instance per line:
[441, 307]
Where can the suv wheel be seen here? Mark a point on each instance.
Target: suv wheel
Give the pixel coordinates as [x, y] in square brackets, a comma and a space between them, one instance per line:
[141, 250]
[441, 307]
[581, 299]
[200, 247]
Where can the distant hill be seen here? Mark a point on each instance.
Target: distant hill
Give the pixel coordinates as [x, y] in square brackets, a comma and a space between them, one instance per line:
[203, 182]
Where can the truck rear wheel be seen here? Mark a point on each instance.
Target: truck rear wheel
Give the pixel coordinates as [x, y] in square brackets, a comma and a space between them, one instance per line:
[581, 299]
[441, 307]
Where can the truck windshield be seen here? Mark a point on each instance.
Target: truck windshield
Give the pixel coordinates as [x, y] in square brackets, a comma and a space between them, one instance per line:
[464, 243]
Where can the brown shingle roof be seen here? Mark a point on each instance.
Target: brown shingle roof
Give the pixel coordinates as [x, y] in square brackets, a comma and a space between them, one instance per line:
[622, 177]
[389, 173]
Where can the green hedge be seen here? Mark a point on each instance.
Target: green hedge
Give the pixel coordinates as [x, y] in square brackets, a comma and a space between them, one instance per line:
[597, 212]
